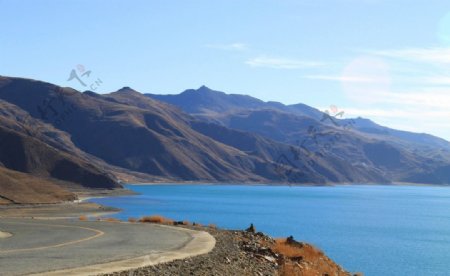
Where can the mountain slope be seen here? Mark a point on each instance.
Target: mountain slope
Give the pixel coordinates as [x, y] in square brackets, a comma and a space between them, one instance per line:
[154, 140]
[292, 163]
[17, 188]
[207, 104]
[23, 148]
[427, 141]
[398, 160]
[396, 155]
[127, 133]
[257, 165]
[275, 166]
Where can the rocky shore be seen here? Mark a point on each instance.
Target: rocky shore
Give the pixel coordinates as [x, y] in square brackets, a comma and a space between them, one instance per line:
[247, 253]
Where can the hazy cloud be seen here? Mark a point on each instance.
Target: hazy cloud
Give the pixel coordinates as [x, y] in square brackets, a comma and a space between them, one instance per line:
[341, 78]
[411, 118]
[237, 46]
[427, 55]
[281, 63]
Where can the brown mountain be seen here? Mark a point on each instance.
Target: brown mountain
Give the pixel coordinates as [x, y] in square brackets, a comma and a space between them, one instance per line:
[46, 159]
[155, 140]
[209, 104]
[72, 140]
[128, 130]
[207, 101]
[396, 155]
[291, 162]
[275, 165]
[396, 159]
[17, 188]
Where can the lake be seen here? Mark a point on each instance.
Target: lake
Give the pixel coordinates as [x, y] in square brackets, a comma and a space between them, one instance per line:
[378, 230]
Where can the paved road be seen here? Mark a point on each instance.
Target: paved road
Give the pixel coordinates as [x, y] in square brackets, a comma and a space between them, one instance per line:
[38, 246]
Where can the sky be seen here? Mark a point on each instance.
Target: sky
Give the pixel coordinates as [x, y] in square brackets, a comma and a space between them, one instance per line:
[387, 60]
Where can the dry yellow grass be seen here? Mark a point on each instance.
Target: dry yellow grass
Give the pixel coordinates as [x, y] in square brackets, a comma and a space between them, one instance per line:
[212, 226]
[304, 260]
[112, 220]
[296, 269]
[289, 269]
[292, 250]
[156, 219]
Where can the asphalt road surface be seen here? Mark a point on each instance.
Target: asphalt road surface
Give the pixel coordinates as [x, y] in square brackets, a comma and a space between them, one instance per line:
[40, 246]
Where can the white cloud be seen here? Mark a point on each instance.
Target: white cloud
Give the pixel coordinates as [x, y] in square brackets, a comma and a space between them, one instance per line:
[281, 63]
[426, 110]
[435, 80]
[430, 98]
[396, 113]
[432, 80]
[407, 89]
[420, 119]
[341, 78]
[426, 99]
[237, 46]
[428, 55]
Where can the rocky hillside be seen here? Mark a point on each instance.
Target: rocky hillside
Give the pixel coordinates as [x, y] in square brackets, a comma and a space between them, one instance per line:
[397, 156]
[86, 140]
[18, 188]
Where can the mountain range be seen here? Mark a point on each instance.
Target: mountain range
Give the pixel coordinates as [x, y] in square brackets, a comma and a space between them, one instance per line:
[397, 156]
[55, 141]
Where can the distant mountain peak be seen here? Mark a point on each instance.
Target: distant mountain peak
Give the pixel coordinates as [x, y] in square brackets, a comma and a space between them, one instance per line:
[127, 89]
[204, 88]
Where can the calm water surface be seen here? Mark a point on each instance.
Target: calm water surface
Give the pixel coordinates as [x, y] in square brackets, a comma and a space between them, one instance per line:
[379, 230]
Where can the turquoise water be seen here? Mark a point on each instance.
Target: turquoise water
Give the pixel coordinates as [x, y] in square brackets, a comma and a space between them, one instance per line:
[378, 230]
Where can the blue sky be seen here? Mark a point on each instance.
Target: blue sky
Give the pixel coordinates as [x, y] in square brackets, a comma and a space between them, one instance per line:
[387, 60]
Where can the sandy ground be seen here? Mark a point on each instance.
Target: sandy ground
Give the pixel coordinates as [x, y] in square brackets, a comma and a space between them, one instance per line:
[56, 211]
[4, 235]
[66, 209]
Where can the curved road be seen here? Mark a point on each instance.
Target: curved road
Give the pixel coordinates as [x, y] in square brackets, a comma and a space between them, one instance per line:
[91, 247]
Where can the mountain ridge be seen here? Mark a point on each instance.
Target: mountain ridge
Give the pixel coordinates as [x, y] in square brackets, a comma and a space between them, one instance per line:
[78, 140]
[230, 99]
[357, 136]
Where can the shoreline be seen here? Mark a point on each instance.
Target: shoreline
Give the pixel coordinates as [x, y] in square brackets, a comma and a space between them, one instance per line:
[65, 210]
[82, 206]
[195, 183]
